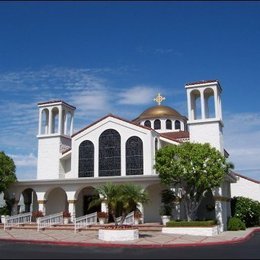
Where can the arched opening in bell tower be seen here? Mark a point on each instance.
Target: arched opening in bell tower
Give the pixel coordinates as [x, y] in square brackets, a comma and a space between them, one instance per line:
[195, 104]
[55, 120]
[45, 121]
[209, 103]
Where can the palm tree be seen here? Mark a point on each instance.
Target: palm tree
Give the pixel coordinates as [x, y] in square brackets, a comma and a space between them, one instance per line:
[120, 198]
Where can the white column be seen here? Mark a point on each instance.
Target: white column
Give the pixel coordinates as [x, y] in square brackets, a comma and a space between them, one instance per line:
[71, 123]
[40, 122]
[59, 119]
[190, 116]
[216, 102]
[65, 122]
[42, 206]
[50, 121]
[202, 102]
[72, 209]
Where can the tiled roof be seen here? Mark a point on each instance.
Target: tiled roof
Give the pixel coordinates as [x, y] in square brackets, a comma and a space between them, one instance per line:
[202, 81]
[247, 178]
[176, 135]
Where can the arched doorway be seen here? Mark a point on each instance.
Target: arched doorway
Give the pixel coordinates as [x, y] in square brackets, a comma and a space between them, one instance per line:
[28, 201]
[84, 198]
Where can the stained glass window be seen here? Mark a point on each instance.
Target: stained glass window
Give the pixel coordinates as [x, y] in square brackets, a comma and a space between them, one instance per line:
[177, 124]
[134, 156]
[147, 123]
[168, 124]
[157, 124]
[110, 153]
[86, 159]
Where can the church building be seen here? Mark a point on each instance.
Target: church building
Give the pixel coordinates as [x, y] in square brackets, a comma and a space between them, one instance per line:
[72, 164]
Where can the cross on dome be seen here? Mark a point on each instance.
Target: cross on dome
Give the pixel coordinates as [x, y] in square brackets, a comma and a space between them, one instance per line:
[159, 99]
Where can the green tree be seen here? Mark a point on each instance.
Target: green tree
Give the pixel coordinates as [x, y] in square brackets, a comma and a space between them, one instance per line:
[120, 198]
[7, 172]
[193, 169]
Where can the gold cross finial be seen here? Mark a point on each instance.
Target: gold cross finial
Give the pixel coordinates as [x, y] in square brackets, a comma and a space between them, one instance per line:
[159, 99]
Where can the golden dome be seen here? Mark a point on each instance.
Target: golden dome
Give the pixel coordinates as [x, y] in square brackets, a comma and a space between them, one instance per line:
[159, 112]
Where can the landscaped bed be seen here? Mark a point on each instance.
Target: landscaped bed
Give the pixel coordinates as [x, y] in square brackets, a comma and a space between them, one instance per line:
[197, 228]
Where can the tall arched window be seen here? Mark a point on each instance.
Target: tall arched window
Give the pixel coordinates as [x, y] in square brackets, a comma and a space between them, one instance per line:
[134, 156]
[110, 153]
[168, 124]
[157, 124]
[147, 123]
[86, 159]
[177, 124]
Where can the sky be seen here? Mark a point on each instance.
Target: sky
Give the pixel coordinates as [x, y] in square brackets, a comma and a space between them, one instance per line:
[114, 57]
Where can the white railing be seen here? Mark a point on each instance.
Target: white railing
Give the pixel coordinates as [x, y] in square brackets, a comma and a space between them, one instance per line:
[84, 221]
[129, 219]
[49, 220]
[17, 220]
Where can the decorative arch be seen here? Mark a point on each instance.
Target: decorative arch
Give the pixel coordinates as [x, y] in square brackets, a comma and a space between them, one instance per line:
[86, 159]
[195, 98]
[134, 156]
[147, 123]
[169, 124]
[110, 153]
[157, 124]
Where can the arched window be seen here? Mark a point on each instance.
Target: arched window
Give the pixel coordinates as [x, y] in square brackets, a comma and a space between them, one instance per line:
[168, 124]
[86, 159]
[110, 153]
[147, 123]
[134, 156]
[177, 124]
[157, 124]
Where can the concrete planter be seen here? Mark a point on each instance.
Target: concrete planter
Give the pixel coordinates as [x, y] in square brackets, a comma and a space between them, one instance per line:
[195, 231]
[165, 219]
[3, 217]
[118, 235]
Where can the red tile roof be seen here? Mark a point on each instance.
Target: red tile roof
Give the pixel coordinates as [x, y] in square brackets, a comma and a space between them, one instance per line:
[202, 81]
[176, 135]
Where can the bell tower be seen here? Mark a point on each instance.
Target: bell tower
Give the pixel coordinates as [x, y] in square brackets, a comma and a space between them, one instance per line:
[205, 113]
[54, 136]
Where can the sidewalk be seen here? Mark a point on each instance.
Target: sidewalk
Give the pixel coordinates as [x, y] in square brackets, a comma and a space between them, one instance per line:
[148, 237]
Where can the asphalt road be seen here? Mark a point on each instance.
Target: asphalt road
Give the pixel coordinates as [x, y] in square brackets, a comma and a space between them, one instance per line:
[249, 249]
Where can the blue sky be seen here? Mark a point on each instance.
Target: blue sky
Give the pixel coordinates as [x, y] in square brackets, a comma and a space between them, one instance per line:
[113, 57]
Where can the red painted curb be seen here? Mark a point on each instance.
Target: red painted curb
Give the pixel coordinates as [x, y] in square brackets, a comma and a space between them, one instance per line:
[197, 244]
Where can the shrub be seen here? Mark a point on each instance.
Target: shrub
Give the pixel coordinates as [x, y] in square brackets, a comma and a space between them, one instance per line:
[235, 224]
[247, 210]
[182, 223]
[4, 211]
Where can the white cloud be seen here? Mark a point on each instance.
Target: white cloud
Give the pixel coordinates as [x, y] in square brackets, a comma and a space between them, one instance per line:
[242, 135]
[24, 160]
[137, 95]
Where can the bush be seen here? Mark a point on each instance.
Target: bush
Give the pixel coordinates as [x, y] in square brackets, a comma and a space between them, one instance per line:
[235, 224]
[37, 214]
[4, 211]
[182, 223]
[247, 210]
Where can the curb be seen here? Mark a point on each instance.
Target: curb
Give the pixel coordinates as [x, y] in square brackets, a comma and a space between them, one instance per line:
[113, 245]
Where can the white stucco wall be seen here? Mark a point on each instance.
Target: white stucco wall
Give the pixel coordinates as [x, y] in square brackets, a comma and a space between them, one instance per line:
[126, 130]
[207, 131]
[246, 188]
